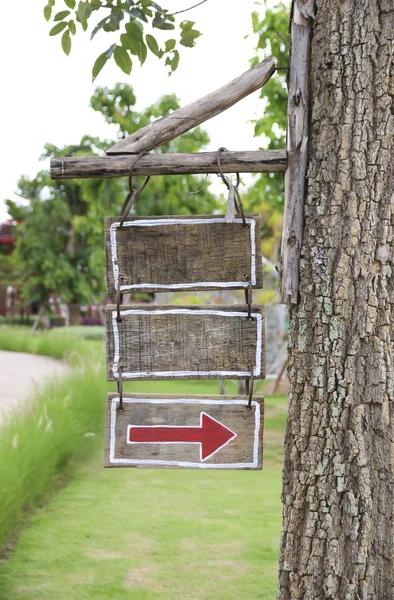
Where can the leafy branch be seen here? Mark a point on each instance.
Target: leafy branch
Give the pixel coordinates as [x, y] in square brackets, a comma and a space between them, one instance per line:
[128, 17]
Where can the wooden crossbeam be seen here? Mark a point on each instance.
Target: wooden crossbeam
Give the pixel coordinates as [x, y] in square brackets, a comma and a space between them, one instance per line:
[183, 119]
[83, 167]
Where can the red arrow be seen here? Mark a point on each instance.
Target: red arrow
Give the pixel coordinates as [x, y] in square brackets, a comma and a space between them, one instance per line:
[211, 434]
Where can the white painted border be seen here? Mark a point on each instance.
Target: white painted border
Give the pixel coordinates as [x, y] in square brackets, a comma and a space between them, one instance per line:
[176, 286]
[169, 463]
[185, 311]
[183, 427]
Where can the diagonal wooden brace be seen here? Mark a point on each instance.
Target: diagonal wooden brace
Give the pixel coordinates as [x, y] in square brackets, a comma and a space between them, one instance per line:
[183, 119]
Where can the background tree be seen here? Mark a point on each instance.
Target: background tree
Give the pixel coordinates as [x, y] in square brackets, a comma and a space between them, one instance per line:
[60, 245]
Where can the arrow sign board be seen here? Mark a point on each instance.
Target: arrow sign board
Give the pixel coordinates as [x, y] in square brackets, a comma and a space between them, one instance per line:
[182, 253]
[185, 342]
[194, 432]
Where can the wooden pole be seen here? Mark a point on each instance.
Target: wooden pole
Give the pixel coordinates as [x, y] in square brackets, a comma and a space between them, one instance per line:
[190, 116]
[297, 148]
[82, 167]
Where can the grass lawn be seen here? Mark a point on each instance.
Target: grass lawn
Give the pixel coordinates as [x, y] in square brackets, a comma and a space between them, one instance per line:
[128, 534]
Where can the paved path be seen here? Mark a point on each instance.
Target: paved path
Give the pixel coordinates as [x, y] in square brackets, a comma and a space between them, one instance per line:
[21, 375]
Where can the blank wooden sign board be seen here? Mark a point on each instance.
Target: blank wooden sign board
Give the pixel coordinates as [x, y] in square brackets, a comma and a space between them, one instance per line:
[185, 342]
[193, 432]
[158, 254]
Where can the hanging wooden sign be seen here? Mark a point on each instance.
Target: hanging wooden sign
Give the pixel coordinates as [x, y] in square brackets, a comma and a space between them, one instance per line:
[158, 254]
[193, 432]
[185, 342]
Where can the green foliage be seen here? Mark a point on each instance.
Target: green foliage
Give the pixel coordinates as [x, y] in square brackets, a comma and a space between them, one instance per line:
[36, 449]
[273, 38]
[10, 274]
[60, 241]
[53, 246]
[127, 20]
[266, 194]
[66, 42]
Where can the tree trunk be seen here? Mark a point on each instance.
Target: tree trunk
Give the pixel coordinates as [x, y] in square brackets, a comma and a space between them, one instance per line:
[338, 488]
[74, 314]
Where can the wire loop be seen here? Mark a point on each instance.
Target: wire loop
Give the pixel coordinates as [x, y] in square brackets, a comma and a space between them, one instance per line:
[250, 367]
[132, 195]
[120, 389]
[249, 297]
[119, 300]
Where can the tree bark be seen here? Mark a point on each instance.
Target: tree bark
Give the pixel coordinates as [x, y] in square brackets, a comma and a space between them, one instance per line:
[74, 314]
[338, 488]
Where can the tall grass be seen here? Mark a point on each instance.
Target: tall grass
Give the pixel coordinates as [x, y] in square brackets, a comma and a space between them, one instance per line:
[58, 343]
[37, 444]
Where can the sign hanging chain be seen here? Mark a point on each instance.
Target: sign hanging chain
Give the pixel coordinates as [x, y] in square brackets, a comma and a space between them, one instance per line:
[120, 389]
[119, 299]
[250, 367]
[132, 195]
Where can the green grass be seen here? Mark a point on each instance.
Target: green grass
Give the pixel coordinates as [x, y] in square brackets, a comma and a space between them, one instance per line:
[58, 343]
[126, 534]
[168, 535]
[37, 446]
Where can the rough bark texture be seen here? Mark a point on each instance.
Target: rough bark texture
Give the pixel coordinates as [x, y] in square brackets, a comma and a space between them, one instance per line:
[339, 469]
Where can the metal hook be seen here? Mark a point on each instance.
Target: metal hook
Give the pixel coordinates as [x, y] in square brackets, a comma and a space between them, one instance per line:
[250, 367]
[132, 195]
[240, 205]
[120, 389]
[249, 297]
[119, 300]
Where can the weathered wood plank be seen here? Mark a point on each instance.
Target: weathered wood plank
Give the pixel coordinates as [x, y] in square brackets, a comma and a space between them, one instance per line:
[158, 254]
[185, 342]
[190, 116]
[81, 167]
[208, 432]
[297, 148]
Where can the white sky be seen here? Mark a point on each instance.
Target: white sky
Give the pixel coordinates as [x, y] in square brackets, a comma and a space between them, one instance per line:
[45, 94]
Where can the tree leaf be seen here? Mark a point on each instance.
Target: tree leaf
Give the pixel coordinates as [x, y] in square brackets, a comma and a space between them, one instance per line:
[170, 45]
[110, 51]
[115, 18]
[160, 22]
[135, 29]
[175, 60]
[143, 53]
[72, 27]
[98, 65]
[58, 28]
[70, 3]
[156, 6]
[61, 15]
[83, 13]
[48, 9]
[188, 37]
[153, 46]
[99, 26]
[123, 59]
[137, 13]
[66, 42]
[187, 25]
[134, 46]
